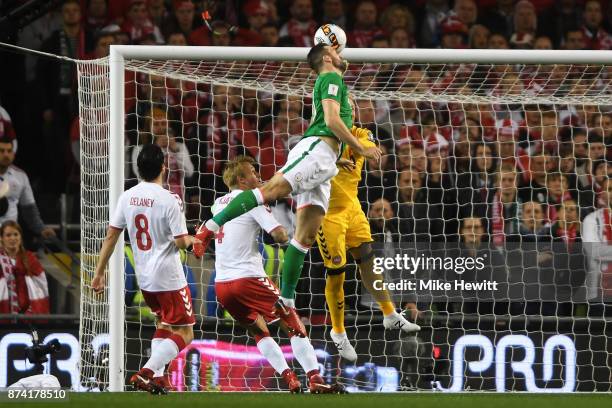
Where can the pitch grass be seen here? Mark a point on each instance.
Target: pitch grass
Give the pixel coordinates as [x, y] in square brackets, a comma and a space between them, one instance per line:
[272, 400]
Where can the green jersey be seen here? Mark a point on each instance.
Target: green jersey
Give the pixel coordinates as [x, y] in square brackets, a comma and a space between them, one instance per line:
[329, 85]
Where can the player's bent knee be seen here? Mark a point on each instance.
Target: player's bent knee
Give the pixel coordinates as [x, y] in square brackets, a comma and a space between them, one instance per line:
[364, 253]
[277, 187]
[257, 332]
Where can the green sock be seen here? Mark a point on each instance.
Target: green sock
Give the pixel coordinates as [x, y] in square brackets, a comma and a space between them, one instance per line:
[241, 204]
[292, 269]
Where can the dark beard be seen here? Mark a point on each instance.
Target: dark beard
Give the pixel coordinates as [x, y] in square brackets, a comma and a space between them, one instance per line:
[342, 66]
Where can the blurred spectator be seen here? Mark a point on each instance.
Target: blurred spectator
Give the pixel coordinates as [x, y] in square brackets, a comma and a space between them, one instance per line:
[500, 19]
[428, 17]
[333, 12]
[383, 224]
[542, 43]
[221, 35]
[597, 237]
[466, 12]
[366, 118]
[479, 37]
[567, 226]
[596, 37]
[498, 42]
[558, 192]
[556, 21]
[382, 41]
[26, 269]
[400, 38]
[454, 33]
[397, 16]
[506, 207]
[419, 222]
[181, 20]
[365, 27]
[20, 196]
[300, 27]
[138, 24]
[258, 16]
[57, 91]
[179, 167]
[533, 227]
[380, 179]
[96, 16]
[538, 167]
[269, 35]
[525, 22]
[33, 36]
[177, 38]
[157, 12]
[102, 45]
[6, 128]
[475, 189]
[574, 39]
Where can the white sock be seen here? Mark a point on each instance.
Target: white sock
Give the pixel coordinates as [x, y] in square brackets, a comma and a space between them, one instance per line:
[164, 353]
[304, 353]
[154, 344]
[288, 302]
[211, 225]
[273, 353]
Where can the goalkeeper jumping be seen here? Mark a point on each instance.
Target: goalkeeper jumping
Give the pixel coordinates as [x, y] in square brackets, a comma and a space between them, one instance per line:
[345, 226]
[310, 166]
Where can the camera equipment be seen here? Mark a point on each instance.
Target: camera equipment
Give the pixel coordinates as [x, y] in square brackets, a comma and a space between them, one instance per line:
[37, 353]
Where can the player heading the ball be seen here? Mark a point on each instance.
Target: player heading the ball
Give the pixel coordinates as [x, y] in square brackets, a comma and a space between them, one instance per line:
[310, 166]
[157, 230]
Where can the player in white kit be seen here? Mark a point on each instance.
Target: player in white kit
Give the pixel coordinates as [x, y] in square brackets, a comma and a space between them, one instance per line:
[157, 229]
[245, 291]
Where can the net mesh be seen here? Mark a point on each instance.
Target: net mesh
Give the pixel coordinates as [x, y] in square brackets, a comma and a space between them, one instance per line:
[449, 134]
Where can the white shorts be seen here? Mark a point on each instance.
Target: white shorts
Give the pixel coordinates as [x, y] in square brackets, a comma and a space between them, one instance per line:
[310, 166]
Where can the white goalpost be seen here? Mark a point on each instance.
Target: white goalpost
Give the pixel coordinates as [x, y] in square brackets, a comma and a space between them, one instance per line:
[196, 87]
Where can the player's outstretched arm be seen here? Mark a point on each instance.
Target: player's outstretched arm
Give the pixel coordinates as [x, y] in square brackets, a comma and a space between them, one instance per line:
[112, 235]
[331, 111]
[184, 242]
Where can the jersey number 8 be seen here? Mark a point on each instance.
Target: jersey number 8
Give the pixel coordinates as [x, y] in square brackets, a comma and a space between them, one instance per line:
[143, 238]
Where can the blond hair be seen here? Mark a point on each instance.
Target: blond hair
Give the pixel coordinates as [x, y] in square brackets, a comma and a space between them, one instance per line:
[233, 170]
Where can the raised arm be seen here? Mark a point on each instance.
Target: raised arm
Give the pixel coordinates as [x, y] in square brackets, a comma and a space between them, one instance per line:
[331, 112]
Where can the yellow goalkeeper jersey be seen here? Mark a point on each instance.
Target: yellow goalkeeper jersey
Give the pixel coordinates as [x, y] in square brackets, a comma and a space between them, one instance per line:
[344, 184]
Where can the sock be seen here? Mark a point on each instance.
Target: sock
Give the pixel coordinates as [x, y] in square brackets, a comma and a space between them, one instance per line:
[154, 344]
[334, 295]
[158, 337]
[304, 353]
[292, 268]
[273, 353]
[241, 204]
[288, 302]
[165, 352]
[387, 308]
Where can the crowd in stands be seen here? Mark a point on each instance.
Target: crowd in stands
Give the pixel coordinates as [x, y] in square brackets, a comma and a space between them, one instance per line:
[512, 173]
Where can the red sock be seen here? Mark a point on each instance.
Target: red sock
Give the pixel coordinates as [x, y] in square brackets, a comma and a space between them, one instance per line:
[162, 334]
[178, 340]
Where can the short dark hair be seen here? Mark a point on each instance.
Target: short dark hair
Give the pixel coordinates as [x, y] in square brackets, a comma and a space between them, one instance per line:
[150, 161]
[6, 140]
[315, 56]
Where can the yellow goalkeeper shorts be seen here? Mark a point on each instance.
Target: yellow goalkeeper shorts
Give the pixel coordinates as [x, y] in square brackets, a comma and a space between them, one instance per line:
[340, 231]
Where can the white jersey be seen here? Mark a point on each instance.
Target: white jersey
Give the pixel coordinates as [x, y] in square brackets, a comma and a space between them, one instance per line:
[236, 253]
[154, 218]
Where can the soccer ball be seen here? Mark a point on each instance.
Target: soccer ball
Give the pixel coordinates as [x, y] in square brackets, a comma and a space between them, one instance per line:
[332, 35]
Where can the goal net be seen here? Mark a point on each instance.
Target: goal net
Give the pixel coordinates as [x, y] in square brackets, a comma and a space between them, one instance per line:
[499, 161]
